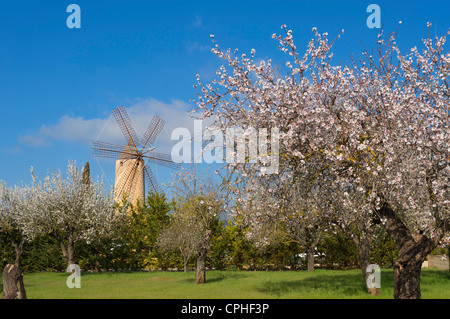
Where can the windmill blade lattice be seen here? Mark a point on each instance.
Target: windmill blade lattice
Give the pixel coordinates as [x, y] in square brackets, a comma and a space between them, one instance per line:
[153, 130]
[131, 171]
[108, 150]
[123, 120]
[150, 179]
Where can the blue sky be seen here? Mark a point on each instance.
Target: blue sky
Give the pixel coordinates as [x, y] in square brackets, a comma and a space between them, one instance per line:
[59, 85]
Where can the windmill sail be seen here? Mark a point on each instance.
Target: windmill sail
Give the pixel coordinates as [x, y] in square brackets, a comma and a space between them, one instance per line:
[132, 173]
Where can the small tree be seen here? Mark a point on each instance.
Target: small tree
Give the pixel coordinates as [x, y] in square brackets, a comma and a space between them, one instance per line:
[205, 209]
[200, 200]
[182, 234]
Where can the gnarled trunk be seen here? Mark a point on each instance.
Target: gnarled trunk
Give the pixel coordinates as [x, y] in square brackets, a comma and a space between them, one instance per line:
[200, 274]
[408, 266]
[186, 253]
[13, 287]
[411, 254]
[18, 248]
[407, 280]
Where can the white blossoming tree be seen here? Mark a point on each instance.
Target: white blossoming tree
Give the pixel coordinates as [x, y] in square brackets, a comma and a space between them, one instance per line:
[379, 126]
[69, 209]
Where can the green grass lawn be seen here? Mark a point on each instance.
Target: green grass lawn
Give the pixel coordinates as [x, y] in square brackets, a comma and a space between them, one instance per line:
[323, 284]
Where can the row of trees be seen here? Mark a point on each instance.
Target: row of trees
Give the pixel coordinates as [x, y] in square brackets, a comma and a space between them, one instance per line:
[230, 249]
[163, 234]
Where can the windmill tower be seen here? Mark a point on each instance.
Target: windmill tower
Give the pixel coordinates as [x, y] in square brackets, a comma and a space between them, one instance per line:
[130, 165]
[132, 173]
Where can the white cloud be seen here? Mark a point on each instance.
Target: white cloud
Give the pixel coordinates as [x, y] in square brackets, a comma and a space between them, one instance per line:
[85, 131]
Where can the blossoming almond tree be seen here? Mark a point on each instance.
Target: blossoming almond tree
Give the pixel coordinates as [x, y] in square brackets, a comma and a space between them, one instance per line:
[69, 210]
[405, 99]
[379, 126]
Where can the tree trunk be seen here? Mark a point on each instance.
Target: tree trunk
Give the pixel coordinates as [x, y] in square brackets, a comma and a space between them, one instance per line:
[186, 253]
[411, 254]
[96, 266]
[364, 262]
[310, 251]
[95, 252]
[67, 250]
[18, 248]
[310, 259]
[200, 274]
[407, 279]
[13, 287]
[185, 264]
[362, 242]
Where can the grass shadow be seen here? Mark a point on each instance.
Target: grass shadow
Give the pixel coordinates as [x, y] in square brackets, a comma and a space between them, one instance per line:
[325, 286]
[228, 275]
[218, 277]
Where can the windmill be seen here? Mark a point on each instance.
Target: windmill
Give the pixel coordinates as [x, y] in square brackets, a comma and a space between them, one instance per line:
[132, 173]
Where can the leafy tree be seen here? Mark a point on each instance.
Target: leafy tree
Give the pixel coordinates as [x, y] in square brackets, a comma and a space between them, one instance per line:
[143, 226]
[218, 254]
[44, 254]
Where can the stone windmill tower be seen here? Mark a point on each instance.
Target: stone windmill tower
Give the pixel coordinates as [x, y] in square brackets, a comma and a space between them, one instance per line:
[131, 165]
[132, 173]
